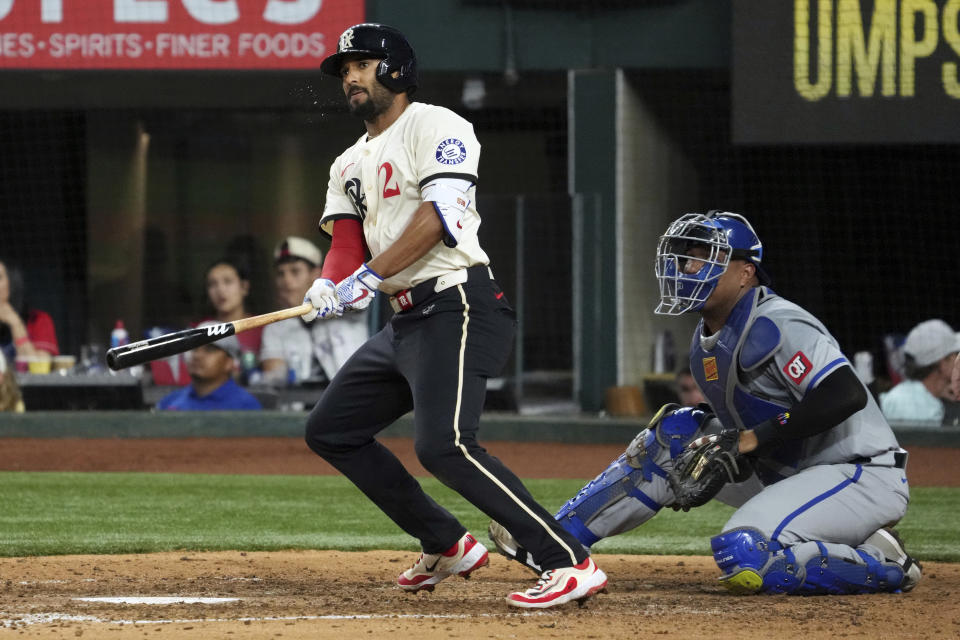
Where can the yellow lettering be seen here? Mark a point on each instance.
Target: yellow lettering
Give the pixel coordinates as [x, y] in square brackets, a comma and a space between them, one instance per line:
[951, 33]
[852, 51]
[910, 48]
[801, 49]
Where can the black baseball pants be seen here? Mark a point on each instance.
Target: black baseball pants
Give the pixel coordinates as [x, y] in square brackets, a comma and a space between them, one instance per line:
[434, 358]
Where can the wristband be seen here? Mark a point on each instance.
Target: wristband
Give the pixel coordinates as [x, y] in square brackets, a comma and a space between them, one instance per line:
[768, 432]
[19, 342]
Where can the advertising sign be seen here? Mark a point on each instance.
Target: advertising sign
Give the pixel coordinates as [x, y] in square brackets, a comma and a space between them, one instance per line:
[172, 34]
[846, 71]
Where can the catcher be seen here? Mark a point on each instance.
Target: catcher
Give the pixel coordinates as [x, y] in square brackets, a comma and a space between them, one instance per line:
[790, 436]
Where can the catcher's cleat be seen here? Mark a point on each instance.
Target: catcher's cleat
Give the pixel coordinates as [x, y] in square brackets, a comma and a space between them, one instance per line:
[507, 545]
[558, 586]
[891, 546]
[462, 559]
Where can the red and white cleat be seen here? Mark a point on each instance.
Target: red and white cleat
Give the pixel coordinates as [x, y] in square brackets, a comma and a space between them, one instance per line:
[461, 559]
[557, 586]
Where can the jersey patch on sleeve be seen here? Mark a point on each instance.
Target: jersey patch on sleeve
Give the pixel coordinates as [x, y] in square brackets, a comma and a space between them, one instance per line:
[798, 367]
[451, 151]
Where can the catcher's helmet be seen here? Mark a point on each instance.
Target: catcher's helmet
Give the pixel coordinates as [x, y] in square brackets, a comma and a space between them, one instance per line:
[377, 41]
[726, 236]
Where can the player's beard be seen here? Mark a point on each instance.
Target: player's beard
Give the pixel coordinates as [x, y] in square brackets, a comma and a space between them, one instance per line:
[378, 101]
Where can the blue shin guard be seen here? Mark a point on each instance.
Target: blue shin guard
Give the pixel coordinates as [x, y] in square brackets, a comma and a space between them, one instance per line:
[826, 574]
[751, 563]
[599, 498]
[633, 488]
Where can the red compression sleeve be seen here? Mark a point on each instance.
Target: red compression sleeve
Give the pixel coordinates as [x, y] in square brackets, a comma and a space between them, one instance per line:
[347, 250]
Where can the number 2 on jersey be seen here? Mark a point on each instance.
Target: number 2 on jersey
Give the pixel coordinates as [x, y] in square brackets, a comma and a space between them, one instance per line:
[388, 191]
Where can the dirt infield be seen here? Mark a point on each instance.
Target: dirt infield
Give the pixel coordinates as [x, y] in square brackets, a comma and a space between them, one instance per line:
[323, 594]
[349, 595]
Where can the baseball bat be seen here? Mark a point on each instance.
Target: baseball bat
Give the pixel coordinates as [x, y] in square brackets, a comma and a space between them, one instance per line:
[169, 344]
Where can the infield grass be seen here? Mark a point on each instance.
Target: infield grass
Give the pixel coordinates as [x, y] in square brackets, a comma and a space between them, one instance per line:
[47, 513]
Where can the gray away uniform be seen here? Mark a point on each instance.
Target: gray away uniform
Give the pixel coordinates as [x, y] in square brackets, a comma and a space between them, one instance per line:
[805, 513]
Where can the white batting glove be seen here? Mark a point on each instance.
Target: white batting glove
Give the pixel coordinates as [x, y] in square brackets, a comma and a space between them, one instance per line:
[357, 290]
[323, 296]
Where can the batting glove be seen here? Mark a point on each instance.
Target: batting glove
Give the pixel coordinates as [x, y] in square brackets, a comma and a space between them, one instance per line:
[357, 290]
[323, 296]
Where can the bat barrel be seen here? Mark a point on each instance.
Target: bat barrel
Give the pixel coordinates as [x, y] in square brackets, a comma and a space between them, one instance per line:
[180, 341]
[166, 345]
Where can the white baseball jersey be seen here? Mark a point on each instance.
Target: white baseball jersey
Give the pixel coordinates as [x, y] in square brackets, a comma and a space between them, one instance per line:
[325, 344]
[379, 181]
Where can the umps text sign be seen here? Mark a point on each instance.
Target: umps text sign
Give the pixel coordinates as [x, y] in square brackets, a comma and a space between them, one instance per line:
[826, 71]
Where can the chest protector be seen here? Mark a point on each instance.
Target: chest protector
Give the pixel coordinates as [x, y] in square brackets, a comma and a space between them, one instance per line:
[743, 345]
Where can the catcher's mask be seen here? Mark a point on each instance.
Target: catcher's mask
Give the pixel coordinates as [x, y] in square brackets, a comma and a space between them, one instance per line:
[716, 238]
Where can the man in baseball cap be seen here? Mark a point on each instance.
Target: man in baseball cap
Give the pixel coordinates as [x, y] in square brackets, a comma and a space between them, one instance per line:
[213, 388]
[930, 350]
[292, 352]
[293, 248]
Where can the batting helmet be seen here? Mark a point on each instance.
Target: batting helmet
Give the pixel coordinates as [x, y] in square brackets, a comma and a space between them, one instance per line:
[377, 41]
[725, 236]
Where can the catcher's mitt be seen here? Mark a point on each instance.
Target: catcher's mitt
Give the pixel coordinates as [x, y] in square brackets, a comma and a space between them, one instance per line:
[706, 464]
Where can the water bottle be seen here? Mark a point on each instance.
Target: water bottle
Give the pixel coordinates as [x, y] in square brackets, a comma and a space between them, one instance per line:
[119, 335]
[863, 365]
[294, 374]
[248, 363]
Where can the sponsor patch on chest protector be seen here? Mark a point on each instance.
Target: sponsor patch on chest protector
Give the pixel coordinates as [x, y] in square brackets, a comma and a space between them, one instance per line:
[710, 371]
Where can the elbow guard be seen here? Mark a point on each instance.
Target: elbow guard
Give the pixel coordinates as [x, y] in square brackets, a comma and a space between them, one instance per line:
[450, 201]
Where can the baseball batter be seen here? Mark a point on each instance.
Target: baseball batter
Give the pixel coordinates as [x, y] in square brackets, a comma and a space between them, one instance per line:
[806, 455]
[401, 212]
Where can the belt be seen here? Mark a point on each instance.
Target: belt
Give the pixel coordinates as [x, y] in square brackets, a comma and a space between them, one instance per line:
[409, 298]
[896, 459]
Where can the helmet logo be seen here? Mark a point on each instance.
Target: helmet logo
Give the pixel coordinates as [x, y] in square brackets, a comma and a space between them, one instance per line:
[346, 39]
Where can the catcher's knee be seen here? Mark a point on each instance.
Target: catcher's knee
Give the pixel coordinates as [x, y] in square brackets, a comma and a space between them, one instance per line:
[752, 563]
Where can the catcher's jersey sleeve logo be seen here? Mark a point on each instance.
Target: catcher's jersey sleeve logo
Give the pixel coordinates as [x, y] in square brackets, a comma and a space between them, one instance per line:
[710, 370]
[451, 151]
[798, 367]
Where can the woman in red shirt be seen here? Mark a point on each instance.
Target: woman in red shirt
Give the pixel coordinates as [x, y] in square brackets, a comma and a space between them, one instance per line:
[23, 331]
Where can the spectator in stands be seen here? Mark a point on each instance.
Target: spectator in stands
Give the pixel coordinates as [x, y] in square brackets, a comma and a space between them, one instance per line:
[929, 350]
[688, 393]
[292, 348]
[227, 286]
[23, 331]
[213, 388]
[227, 289]
[10, 398]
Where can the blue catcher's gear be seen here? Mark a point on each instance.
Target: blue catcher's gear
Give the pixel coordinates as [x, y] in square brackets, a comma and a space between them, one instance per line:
[382, 42]
[710, 241]
[752, 563]
[602, 507]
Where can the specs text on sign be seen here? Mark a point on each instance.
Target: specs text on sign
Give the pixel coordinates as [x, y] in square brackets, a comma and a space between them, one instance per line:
[205, 11]
[897, 37]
